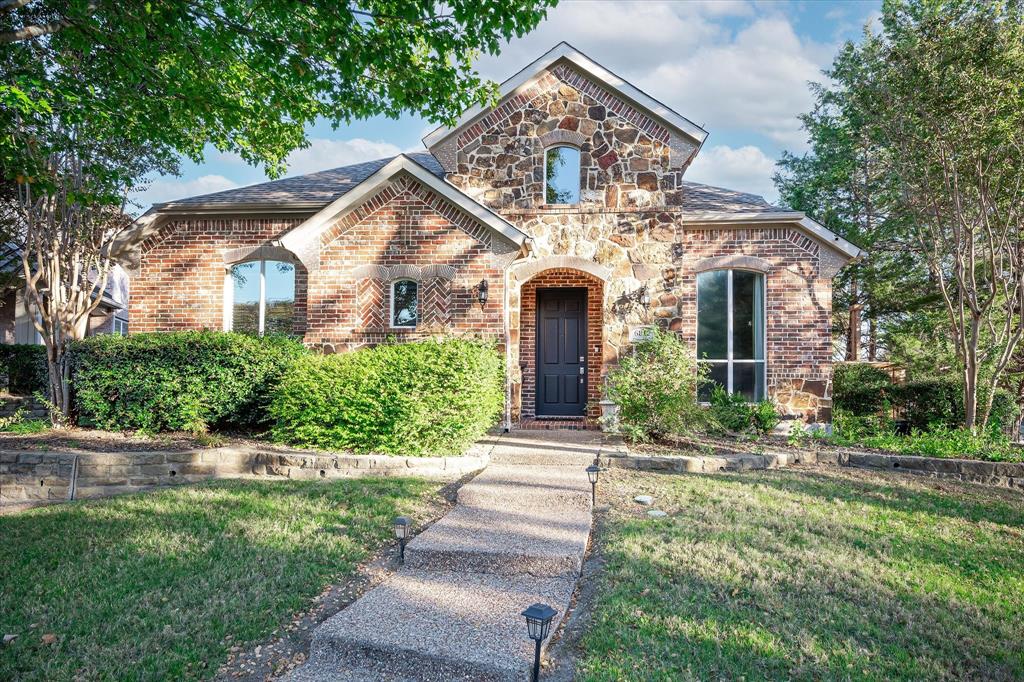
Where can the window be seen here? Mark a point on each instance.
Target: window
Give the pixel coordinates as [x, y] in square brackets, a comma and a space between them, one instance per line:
[562, 175]
[730, 331]
[263, 297]
[404, 303]
[120, 326]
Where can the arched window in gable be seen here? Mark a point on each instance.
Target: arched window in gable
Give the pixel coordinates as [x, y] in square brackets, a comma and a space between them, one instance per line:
[561, 175]
[404, 303]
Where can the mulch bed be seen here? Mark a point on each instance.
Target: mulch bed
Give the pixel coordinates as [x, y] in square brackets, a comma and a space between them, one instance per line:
[94, 440]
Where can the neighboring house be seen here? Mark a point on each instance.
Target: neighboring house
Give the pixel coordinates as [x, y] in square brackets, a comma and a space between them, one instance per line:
[557, 222]
[109, 317]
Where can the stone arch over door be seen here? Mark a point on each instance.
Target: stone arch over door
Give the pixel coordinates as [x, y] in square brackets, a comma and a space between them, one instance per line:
[528, 279]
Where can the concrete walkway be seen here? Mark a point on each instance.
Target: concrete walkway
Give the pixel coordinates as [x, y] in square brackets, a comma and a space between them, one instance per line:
[517, 536]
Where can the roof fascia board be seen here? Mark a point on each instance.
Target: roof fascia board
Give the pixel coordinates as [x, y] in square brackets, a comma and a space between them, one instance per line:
[811, 227]
[567, 52]
[364, 190]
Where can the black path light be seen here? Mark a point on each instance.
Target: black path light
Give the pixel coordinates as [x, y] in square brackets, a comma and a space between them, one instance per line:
[402, 525]
[538, 623]
[592, 471]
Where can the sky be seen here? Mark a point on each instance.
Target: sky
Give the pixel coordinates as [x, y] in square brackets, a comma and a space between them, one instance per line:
[739, 68]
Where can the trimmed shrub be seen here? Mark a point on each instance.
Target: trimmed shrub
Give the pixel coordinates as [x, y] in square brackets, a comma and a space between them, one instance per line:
[939, 402]
[431, 397]
[25, 367]
[861, 390]
[173, 381]
[655, 388]
[732, 412]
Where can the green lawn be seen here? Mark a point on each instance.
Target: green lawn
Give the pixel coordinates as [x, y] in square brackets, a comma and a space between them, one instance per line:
[159, 585]
[832, 574]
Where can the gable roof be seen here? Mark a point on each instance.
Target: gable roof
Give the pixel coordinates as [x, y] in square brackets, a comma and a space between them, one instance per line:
[301, 240]
[566, 52]
[313, 190]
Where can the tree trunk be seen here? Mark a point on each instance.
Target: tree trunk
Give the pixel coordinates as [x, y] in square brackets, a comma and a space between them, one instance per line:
[853, 337]
[872, 340]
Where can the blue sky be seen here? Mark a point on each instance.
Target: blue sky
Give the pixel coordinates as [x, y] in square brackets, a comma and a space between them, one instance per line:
[740, 68]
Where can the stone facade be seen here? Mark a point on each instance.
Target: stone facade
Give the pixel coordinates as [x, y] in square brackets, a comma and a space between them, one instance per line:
[634, 235]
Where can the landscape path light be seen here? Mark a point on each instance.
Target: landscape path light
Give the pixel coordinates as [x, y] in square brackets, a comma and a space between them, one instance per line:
[538, 624]
[592, 472]
[402, 526]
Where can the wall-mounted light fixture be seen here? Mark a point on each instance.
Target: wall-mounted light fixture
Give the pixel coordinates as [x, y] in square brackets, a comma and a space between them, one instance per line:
[481, 292]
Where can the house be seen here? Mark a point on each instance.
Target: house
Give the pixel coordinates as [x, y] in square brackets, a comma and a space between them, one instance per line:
[558, 222]
[16, 327]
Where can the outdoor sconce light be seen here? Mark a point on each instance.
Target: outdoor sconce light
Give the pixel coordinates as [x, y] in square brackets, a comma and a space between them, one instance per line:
[481, 292]
[645, 297]
[592, 471]
[402, 533]
[538, 623]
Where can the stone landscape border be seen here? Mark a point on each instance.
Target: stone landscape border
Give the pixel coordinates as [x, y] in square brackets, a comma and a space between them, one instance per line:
[995, 474]
[29, 478]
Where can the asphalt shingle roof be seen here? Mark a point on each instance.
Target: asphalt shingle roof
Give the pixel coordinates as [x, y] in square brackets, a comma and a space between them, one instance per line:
[326, 186]
[322, 187]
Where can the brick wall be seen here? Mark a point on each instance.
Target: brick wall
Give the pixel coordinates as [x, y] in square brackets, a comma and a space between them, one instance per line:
[561, 278]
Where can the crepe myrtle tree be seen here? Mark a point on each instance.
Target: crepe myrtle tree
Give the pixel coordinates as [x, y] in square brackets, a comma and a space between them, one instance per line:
[63, 221]
[249, 76]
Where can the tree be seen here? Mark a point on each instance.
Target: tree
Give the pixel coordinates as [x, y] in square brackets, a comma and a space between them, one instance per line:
[244, 76]
[844, 182]
[942, 86]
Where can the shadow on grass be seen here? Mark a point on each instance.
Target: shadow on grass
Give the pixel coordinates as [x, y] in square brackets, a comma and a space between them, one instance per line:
[797, 576]
[160, 585]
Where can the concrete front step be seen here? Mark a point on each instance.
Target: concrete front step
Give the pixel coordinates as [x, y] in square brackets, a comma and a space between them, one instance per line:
[436, 625]
[547, 448]
[514, 487]
[533, 539]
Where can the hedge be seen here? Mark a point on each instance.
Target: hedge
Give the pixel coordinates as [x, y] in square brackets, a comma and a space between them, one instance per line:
[431, 397]
[866, 391]
[187, 381]
[25, 368]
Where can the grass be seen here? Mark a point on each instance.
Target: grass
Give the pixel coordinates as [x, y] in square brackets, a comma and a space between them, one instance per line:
[791, 575]
[160, 585]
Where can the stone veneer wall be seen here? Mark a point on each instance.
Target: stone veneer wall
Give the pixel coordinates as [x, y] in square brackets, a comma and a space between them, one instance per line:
[28, 478]
[632, 220]
[525, 407]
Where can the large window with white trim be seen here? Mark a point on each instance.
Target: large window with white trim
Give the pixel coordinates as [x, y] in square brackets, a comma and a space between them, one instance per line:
[730, 331]
[262, 296]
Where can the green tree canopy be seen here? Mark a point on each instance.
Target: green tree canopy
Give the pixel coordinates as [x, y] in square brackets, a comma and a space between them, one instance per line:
[246, 76]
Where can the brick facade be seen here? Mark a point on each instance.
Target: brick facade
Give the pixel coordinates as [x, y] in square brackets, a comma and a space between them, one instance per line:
[559, 278]
[633, 231]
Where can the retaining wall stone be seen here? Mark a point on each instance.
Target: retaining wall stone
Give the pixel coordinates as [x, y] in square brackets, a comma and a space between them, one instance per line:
[30, 478]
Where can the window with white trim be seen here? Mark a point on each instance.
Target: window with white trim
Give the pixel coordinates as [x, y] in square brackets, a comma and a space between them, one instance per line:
[404, 303]
[730, 331]
[262, 297]
[120, 326]
[562, 175]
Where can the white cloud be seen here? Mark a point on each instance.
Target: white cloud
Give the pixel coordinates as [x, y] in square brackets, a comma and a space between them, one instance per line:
[746, 169]
[322, 154]
[726, 65]
[169, 188]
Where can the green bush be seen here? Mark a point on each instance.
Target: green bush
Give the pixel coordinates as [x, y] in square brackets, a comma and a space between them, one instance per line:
[430, 397]
[25, 367]
[939, 402]
[179, 380]
[733, 413]
[861, 389]
[655, 388]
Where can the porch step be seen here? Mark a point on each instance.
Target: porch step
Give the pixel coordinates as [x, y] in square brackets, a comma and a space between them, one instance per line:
[532, 538]
[547, 448]
[435, 625]
[515, 488]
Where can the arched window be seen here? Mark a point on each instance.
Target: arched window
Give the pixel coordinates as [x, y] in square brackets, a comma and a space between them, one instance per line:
[262, 297]
[730, 331]
[562, 175]
[404, 303]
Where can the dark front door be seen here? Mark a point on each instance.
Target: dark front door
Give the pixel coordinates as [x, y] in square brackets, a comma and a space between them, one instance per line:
[561, 352]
